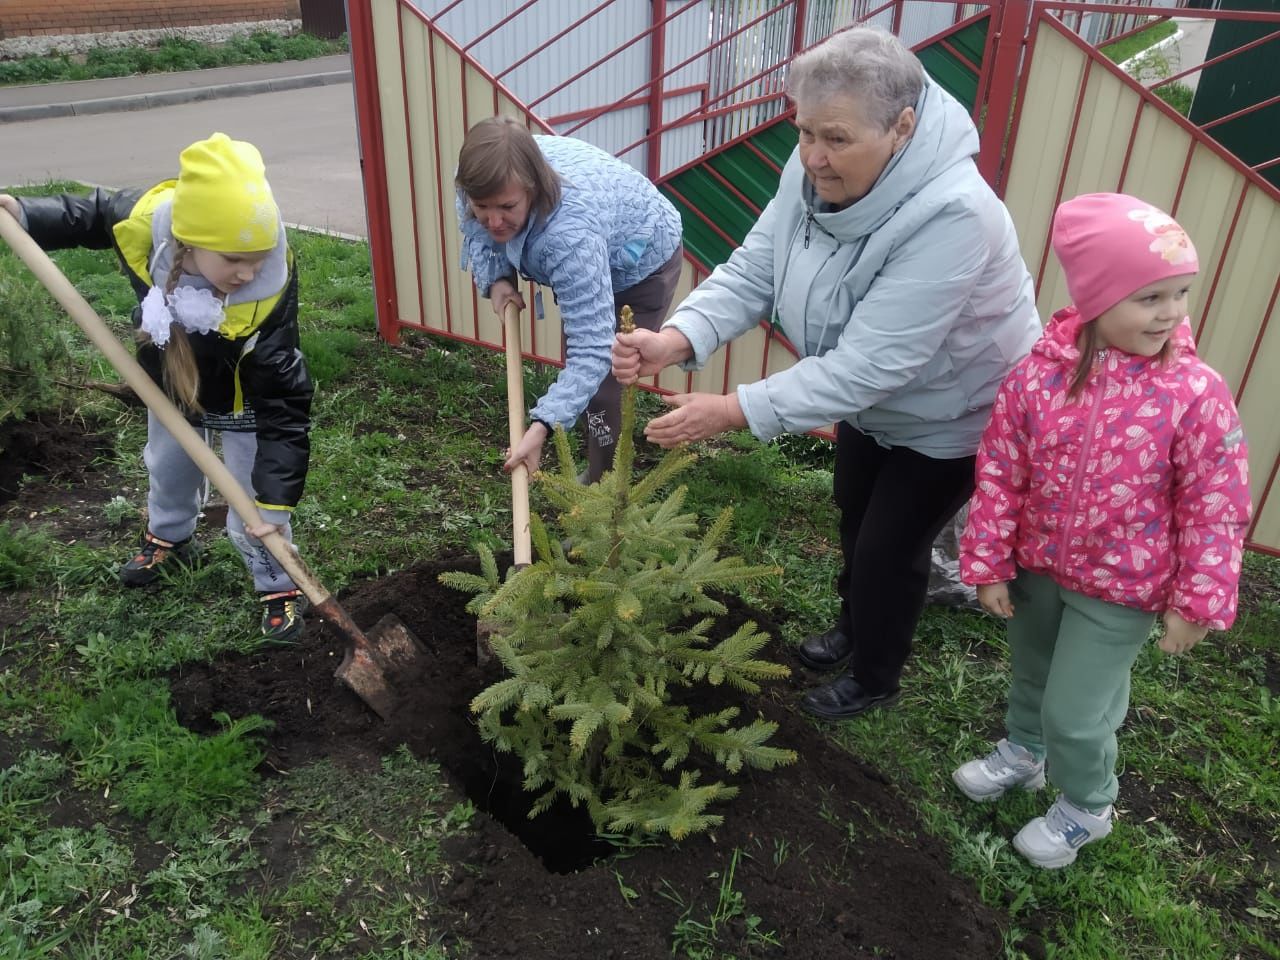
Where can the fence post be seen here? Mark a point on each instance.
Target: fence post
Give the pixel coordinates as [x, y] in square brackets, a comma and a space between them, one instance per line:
[364, 76]
[801, 10]
[1009, 18]
[657, 65]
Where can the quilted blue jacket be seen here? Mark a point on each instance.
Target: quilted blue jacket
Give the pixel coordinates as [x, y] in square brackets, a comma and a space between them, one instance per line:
[611, 229]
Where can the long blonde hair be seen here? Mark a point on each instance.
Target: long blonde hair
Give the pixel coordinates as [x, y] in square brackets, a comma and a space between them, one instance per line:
[181, 376]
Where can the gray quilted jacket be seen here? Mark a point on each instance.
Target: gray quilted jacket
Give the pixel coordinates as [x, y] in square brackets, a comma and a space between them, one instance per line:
[611, 229]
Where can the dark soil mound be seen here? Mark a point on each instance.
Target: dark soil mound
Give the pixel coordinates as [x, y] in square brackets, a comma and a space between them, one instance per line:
[44, 446]
[828, 857]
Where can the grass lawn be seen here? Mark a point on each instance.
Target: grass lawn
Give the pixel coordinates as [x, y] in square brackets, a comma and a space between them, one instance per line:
[124, 834]
[169, 55]
[1131, 46]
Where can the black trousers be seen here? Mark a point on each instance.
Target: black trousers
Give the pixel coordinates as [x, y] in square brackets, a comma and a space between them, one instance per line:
[893, 502]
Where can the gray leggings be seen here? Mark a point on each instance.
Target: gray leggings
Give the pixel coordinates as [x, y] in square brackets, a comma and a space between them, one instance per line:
[179, 490]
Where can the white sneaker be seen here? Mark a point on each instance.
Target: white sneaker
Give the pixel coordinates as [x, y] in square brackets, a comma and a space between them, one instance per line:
[1053, 840]
[1007, 766]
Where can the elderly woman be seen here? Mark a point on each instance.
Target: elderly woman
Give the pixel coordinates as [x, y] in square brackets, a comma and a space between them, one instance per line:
[894, 270]
[571, 217]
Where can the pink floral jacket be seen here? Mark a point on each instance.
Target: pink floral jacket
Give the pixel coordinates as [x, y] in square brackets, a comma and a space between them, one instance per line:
[1136, 491]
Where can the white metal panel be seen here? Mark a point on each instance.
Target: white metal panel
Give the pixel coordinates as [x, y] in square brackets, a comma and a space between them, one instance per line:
[560, 63]
[922, 20]
[686, 40]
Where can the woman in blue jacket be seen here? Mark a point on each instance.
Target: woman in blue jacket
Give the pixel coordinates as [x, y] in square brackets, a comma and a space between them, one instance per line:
[892, 267]
[568, 216]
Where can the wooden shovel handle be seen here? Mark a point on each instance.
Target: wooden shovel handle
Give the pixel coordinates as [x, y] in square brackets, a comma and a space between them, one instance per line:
[515, 422]
[47, 272]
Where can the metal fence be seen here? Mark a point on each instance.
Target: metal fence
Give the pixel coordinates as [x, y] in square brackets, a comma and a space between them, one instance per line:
[1057, 118]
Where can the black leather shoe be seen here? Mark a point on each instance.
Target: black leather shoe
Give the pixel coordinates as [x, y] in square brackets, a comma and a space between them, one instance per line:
[843, 698]
[825, 651]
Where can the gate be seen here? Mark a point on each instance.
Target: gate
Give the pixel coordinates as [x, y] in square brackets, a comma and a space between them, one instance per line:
[685, 90]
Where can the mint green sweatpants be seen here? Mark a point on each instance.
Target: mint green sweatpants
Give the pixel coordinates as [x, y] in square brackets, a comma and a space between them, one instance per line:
[1071, 656]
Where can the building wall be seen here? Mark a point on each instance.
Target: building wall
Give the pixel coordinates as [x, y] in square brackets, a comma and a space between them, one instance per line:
[36, 18]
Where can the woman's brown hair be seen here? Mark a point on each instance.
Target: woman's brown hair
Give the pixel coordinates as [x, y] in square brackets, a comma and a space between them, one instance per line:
[499, 150]
[181, 377]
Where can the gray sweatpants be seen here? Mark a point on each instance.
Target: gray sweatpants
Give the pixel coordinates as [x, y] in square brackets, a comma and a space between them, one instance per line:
[179, 489]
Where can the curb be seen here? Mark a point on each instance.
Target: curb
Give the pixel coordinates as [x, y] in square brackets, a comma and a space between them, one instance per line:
[165, 98]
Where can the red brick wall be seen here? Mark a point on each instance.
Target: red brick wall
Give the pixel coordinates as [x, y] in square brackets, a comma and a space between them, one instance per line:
[27, 18]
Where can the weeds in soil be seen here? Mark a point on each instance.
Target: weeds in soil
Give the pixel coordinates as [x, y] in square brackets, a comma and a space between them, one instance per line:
[372, 853]
[730, 926]
[406, 445]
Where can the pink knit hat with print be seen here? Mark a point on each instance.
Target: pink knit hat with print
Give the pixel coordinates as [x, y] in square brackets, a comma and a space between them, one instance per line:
[1111, 244]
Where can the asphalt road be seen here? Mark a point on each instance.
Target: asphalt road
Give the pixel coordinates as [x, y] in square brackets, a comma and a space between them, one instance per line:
[307, 137]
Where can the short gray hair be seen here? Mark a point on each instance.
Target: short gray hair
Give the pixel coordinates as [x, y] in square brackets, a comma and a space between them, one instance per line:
[866, 63]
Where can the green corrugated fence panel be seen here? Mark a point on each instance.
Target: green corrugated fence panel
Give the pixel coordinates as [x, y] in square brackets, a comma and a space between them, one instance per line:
[777, 141]
[754, 176]
[718, 202]
[700, 240]
[754, 179]
[951, 73]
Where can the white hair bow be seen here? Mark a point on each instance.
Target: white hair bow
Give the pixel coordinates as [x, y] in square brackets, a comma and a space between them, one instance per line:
[196, 309]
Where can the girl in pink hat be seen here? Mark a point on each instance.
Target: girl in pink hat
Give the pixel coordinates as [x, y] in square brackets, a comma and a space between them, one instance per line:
[1112, 486]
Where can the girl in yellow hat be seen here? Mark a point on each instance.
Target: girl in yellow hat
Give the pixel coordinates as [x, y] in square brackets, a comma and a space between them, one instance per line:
[217, 327]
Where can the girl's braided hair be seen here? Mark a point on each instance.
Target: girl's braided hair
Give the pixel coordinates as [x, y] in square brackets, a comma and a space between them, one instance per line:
[181, 377]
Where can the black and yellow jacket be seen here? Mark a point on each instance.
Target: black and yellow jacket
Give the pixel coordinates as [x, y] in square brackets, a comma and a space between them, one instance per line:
[252, 372]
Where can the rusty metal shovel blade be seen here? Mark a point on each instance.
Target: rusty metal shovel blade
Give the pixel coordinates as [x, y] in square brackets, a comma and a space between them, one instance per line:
[389, 650]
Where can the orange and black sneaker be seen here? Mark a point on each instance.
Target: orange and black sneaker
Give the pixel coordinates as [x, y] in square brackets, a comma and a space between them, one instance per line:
[156, 556]
[282, 614]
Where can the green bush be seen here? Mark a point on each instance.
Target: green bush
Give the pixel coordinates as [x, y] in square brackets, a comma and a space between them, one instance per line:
[33, 349]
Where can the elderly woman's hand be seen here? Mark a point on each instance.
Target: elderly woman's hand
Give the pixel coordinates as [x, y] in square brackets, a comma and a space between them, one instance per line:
[646, 352]
[696, 417]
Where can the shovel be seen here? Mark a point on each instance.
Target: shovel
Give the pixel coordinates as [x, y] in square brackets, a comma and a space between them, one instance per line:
[369, 660]
[523, 551]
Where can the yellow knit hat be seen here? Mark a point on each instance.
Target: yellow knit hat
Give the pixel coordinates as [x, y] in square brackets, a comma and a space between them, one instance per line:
[222, 201]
